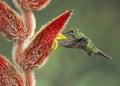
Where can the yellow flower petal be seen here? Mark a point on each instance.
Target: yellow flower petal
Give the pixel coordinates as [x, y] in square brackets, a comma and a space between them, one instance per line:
[55, 45]
[59, 37]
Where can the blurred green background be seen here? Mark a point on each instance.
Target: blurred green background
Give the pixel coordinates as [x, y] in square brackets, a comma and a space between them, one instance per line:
[98, 19]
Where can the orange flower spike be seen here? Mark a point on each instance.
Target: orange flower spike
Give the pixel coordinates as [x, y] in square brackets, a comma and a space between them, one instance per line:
[8, 74]
[32, 4]
[36, 53]
[11, 25]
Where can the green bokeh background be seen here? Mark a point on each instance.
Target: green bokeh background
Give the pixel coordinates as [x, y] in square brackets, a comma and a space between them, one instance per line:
[100, 20]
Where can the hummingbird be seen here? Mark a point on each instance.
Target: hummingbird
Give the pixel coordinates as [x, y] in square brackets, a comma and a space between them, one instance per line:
[81, 41]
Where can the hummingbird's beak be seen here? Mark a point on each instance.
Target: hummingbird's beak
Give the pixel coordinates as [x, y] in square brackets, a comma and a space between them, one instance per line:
[103, 54]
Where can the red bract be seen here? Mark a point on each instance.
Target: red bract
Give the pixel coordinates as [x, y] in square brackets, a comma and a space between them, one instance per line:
[11, 25]
[38, 50]
[27, 55]
[32, 4]
[9, 76]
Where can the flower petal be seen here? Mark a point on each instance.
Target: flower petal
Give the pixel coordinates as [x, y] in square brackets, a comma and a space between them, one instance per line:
[8, 74]
[59, 37]
[38, 50]
[11, 25]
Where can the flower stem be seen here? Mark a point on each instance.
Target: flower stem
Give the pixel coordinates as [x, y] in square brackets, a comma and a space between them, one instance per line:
[29, 78]
[17, 51]
[29, 21]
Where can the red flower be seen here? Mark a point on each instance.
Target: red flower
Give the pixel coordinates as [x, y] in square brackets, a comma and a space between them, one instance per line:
[35, 53]
[39, 48]
[9, 76]
[32, 4]
[11, 24]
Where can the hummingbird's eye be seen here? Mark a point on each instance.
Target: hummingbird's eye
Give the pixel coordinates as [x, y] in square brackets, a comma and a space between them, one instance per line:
[71, 32]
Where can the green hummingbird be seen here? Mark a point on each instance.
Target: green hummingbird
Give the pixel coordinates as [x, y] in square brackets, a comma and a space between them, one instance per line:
[81, 41]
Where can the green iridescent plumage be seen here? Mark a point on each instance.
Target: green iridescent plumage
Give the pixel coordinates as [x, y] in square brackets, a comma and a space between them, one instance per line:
[81, 41]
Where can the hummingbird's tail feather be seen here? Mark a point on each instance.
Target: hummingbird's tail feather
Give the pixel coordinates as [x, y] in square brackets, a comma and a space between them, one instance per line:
[103, 54]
